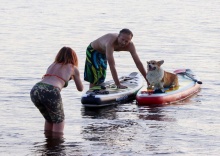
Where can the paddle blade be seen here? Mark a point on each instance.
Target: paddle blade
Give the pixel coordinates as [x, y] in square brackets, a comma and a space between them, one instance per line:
[199, 82]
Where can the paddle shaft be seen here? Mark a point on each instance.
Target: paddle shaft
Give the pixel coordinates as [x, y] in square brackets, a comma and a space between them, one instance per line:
[191, 77]
[187, 73]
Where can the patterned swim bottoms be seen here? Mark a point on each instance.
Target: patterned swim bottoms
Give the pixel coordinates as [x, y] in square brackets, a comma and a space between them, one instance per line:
[48, 100]
[95, 66]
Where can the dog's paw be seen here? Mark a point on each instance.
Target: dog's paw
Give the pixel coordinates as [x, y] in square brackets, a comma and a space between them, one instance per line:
[150, 87]
[172, 86]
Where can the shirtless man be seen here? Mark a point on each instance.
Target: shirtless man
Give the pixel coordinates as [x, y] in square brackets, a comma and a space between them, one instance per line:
[100, 51]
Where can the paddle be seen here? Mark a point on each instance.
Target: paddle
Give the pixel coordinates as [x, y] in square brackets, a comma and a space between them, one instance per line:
[188, 73]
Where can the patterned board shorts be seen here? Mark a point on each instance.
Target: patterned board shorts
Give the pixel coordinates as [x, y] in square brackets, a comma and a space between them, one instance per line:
[48, 100]
[95, 66]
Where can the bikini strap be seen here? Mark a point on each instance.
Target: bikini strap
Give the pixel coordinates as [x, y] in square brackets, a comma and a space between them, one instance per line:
[56, 76]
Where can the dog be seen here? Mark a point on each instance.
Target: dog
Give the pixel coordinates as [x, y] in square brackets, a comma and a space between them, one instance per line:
[157, 78]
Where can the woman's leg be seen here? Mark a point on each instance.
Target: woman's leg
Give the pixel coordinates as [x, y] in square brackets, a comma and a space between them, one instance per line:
[48, 126]
[53, 129]
[58, 127]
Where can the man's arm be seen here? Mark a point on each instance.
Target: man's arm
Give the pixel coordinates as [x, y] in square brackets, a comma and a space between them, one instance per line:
[137, 61]
[111, 62]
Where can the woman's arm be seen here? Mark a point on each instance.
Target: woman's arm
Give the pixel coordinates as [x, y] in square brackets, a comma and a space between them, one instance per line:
[76, 78]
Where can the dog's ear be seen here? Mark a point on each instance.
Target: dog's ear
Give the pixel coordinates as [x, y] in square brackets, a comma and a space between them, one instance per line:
[160, 62]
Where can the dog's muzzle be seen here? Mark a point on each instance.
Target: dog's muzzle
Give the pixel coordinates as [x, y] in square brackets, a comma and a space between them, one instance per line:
[151, 68]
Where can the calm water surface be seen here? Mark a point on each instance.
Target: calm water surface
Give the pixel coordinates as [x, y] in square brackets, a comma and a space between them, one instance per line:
[183, 33]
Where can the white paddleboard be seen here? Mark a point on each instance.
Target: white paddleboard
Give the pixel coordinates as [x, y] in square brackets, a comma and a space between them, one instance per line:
[107, 93]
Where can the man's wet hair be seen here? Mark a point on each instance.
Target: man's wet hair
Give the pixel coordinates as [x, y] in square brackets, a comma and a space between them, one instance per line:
[126, 31]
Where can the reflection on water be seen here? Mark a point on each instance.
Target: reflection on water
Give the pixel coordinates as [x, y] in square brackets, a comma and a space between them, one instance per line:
[108, 129]
[159, 123]
[104, 131]
[53, 145]
[151, 113]
[154, 113]
[99, 113]
[126, 131]
[100, 130]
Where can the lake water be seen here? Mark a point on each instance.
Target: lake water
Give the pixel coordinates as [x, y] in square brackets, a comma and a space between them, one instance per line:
[185, 34]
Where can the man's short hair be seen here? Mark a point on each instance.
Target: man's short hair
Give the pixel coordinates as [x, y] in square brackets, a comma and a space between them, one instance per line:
[126, 31]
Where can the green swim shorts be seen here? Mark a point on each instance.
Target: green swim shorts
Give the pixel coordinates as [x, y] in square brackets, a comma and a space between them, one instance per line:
[48, 100]
[95, 66]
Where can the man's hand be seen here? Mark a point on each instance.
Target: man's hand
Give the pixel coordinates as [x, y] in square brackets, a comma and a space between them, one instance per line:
[121, 87]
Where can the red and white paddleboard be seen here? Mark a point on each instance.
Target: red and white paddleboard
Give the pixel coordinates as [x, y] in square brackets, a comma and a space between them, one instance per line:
[188, 85]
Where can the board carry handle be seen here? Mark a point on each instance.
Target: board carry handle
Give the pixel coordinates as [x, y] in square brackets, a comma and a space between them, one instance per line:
[188, 73]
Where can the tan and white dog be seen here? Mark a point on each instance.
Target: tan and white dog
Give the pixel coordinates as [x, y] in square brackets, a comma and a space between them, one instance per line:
[158, 78]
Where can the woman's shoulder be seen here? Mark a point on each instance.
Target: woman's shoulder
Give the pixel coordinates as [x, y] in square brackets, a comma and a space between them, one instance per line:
[58, 67]
[75, 70]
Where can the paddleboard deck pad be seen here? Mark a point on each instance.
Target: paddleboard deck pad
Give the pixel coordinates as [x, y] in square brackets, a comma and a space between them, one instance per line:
[107, 93]
[188, 85]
